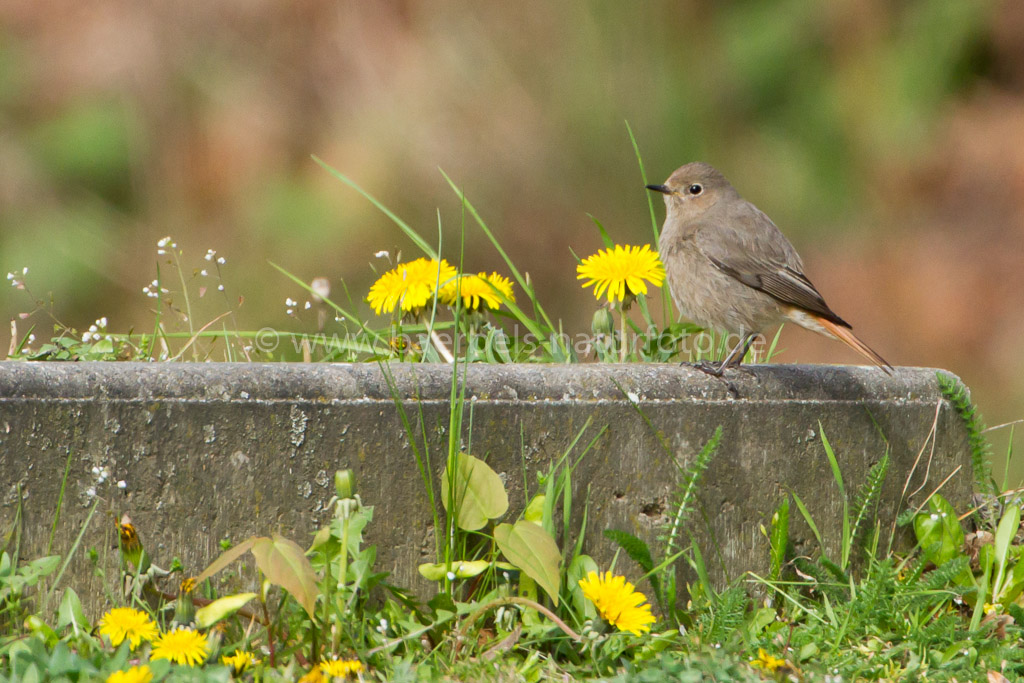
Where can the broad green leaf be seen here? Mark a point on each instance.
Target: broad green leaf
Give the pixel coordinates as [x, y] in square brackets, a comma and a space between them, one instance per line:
[535, 510]
[479, 493]
[531, 548]
[221, 609]
[432, 571]
[938, 531]
[226, 558]
[462, 570]
[71, 613]
[285, 564]
[1005, 532]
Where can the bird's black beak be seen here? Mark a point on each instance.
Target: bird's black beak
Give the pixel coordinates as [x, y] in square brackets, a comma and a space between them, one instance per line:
[659, 188]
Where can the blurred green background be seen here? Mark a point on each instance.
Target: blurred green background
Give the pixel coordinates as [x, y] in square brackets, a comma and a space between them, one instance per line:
[885, 138]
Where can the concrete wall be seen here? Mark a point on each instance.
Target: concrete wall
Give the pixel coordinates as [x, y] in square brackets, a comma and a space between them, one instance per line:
[213, 451]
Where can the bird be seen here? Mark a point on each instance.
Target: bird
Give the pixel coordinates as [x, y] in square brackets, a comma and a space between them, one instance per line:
[730, 268]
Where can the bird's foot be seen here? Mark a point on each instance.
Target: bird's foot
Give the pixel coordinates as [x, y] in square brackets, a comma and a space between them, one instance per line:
[717, 370]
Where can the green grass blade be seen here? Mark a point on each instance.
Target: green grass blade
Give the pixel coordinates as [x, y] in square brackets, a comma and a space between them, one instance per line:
[424, 246]
[523, 284]
[666, 299]
[807, 518]
[60, 502]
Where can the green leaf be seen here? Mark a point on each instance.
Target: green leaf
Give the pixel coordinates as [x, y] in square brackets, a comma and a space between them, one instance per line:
[533, 550]
[71, 613]
[535, 510]
[1005, 533]
[226, 558]
[221, 609]
[479, 492]
[461, 569]
[285, 564]
[938, 531]
[578, 569]
[634, 547]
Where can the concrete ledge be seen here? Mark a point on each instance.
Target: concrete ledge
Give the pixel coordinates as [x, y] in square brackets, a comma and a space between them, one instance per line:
[210, 451]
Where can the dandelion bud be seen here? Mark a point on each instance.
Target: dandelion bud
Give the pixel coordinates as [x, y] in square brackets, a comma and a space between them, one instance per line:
[603, 323]
[345, 483]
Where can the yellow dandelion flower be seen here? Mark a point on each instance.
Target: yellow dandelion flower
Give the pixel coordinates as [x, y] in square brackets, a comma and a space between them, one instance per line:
[409, 286]
[340, 668]
[125, 622]
[621, 271]
[240, 661]
[136, 674]
[188, 585]
[618, 602]
[476, 292]
[314, 676]
[181, 646]
[766, 662]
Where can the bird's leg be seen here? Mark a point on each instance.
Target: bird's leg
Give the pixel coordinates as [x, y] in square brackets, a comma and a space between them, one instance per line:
[735, 357]
[733, 360]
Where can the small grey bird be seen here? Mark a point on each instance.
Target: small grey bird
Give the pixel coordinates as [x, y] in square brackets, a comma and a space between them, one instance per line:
[729, 268]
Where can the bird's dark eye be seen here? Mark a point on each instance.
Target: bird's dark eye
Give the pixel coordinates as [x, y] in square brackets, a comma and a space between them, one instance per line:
[695, 189]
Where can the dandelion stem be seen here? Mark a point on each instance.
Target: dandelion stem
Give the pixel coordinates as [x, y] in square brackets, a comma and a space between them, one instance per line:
[441, 348]
[622, 333]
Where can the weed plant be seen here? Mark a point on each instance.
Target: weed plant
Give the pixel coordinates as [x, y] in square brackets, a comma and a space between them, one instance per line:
[517, 597]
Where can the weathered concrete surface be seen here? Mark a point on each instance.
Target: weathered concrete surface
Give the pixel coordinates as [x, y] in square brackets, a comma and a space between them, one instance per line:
[210, 451]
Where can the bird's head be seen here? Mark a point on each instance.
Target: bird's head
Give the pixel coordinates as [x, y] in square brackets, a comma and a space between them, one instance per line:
[693, 189]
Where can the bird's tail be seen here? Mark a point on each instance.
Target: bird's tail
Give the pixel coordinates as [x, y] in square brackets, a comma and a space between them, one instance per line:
[846, 335]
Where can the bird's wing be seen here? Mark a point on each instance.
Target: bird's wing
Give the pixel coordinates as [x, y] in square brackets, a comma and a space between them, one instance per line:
[747, 246]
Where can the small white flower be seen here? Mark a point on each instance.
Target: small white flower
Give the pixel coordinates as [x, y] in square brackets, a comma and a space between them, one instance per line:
[86, 336]
[308, 306]
[161, 252]
[122, 484]
[290, 311]
[31, 338]
[203, 272]
[450, 576]
[91, 492]
[289, 302]
[10, 276]
[220, 288]
[164, 241]
[221, 260]
[24, 271]
[382, 254]
[210, 253]
[633, 396]
[102, 322]
[95, 470]
[92, 328]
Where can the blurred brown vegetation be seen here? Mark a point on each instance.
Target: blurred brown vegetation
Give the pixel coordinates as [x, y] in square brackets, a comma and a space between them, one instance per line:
[885, 138]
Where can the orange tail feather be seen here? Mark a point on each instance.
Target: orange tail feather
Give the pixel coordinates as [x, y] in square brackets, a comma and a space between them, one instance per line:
[846, 335]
